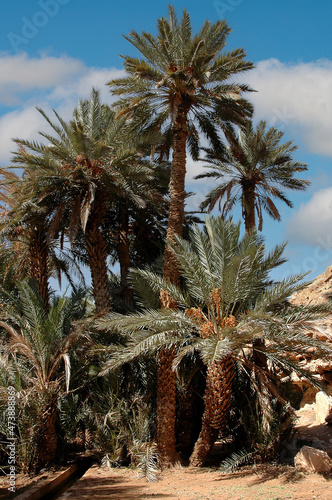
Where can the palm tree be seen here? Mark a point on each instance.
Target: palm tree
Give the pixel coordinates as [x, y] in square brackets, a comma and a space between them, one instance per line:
[25, 249]
[182, 80]
[23, 230]
[139, 233]
[253, 169]
[228, 302]
[40, 343]
[88, 165]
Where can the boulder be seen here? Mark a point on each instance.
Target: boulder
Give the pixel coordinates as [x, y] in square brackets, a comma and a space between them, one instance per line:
[309, 395]
[312, 460]
[323, 407]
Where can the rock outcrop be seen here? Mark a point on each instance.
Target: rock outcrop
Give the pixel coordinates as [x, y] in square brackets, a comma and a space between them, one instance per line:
[313, 426]
[310, 459]
[323, 407]
[318, 292]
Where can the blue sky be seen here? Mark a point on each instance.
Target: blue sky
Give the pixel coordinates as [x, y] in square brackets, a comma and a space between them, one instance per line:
[53, 51]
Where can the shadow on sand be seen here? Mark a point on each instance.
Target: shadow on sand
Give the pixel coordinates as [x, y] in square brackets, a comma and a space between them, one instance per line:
[105, 488]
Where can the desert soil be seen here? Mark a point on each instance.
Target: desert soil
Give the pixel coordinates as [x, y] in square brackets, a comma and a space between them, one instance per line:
[268, 482]
[261, 483]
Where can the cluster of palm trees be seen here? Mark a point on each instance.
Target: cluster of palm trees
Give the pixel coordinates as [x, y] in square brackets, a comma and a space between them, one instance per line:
[108, 187]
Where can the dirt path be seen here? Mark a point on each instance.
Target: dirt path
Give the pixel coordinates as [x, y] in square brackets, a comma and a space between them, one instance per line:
[266, 483]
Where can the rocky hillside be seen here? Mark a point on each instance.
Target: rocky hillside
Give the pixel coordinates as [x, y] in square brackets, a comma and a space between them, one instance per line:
[316, 293]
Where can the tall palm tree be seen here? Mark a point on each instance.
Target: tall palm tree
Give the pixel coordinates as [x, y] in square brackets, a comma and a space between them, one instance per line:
[182, 80]
[228, 301]
[88, 165]
[254, 168]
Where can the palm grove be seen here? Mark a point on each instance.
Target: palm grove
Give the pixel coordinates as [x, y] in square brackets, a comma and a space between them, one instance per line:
[192, 306]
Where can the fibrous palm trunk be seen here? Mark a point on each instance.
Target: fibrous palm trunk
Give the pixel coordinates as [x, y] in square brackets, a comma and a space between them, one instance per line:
[39, 271]
[249, 205]
[217, 401]
[166, 406]
[97, 254]
[47, 442]
[176, 197]
[185, 422]
[166, 403]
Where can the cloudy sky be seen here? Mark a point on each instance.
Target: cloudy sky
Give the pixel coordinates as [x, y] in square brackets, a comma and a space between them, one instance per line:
[53, 51]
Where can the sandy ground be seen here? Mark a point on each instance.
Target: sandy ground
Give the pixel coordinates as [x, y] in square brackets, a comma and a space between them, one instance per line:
[259, 483]
[255, 483]
[266, 483]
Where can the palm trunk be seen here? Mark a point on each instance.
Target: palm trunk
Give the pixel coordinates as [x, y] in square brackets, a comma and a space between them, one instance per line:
[47, 443]
[185, 422]
[259, 357]
[166, 403]
[124, 254]
[176, 195]
[249, 205]
[39, 263]
[97, 254]
[166, 406]
[217, 401]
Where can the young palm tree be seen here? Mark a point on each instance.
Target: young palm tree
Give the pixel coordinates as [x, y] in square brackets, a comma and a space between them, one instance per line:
[254, 169]
[228, 302]
[40, 343]
[182, 80]
[87, 166]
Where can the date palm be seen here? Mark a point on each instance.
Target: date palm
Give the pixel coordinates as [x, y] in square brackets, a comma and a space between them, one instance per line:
[254, 169]
[227, 303]
[40, 344]
[87, 166]
[178, 85]
[25, 249]
[180, 81]
[138, 233]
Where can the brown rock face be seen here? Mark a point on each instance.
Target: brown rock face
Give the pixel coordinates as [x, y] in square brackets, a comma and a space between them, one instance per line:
[323, 407]
[318, 292]
[313, 460]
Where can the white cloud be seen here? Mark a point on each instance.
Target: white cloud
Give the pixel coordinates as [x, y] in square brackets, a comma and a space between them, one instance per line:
[296, 97]
[20, 74]
[70, 93]
[18, 124]
[58, 82]
[313, 221]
